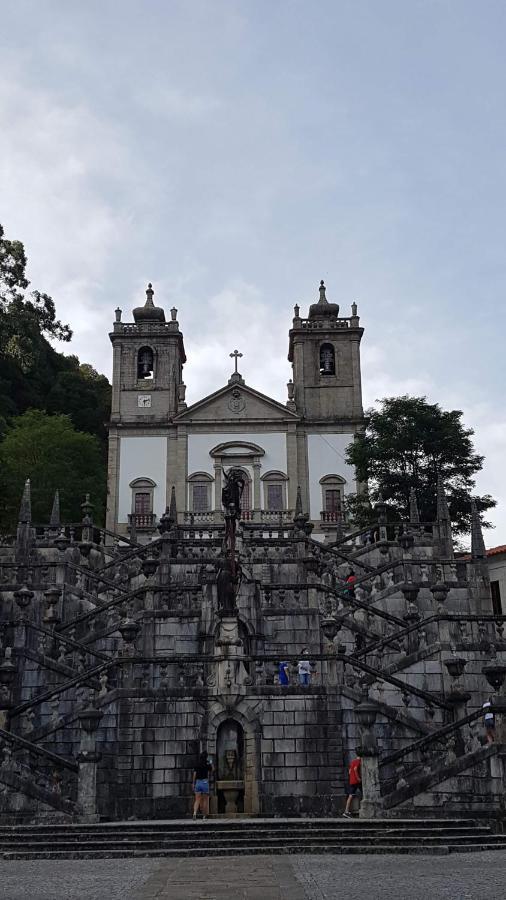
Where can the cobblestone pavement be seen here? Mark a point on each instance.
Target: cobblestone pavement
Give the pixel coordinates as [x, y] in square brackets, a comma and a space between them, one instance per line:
[301, 877]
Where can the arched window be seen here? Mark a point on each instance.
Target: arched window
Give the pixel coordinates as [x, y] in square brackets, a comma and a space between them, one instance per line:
[327, 360]
[142, 515]
[246, 494]
[200, 492]
[332, 498]
[145, 363]
[274, 491]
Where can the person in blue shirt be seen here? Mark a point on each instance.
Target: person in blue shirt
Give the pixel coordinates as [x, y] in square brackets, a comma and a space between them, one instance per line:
[283, 675]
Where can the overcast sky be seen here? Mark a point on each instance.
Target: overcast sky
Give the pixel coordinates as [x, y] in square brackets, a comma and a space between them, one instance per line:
[234, 153]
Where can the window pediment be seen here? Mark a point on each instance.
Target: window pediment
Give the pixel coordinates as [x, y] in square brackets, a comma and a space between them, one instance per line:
[142, 483]
[232, 449]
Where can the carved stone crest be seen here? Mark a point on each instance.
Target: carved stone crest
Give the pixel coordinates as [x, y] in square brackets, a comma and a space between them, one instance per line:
[237, 402]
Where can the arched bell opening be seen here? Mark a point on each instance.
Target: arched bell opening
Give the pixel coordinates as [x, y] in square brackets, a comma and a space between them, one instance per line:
[327, 360]
[145, 363]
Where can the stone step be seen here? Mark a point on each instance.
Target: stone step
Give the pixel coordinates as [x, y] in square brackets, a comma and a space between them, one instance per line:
[201, 829]
[247, 824]
[246, 849]
[196, 834]
[280, 843]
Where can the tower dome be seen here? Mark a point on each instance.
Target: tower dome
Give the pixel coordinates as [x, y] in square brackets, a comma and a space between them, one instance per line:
[323, 309]
[149, 312]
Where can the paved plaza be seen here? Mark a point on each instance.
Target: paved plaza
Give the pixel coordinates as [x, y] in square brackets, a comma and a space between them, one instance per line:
[298, 877]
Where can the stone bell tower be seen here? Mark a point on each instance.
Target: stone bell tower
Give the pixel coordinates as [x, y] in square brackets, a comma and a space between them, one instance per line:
[147, 389]
[148, 358]
[325, 354]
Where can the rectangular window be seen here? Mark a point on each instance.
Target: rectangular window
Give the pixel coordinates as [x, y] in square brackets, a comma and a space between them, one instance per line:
[496, 598]
[275, 497]
[142, 504]
[200, 497]
[332, 500]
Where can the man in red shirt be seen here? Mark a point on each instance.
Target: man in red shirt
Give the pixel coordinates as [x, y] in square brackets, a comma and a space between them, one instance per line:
[355, 785]
[350, 583]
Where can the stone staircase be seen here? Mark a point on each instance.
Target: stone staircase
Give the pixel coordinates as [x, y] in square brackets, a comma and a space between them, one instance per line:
[227, 837]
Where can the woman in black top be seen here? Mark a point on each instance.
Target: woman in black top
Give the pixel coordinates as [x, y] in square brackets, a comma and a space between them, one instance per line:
[201, 786]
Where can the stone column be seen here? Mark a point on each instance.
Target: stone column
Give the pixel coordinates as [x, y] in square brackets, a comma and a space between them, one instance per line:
[217, 490]
[370, 807]
[88, 760]
[257, 503]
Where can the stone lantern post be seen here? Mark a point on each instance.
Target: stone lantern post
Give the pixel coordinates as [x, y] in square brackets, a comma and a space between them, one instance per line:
[370, 807]
[331, 628]
[88, 760]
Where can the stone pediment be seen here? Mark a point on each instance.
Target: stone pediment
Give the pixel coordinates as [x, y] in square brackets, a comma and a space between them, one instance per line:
[236, 402]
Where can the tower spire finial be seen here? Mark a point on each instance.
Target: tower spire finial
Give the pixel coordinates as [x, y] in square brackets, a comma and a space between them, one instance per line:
[443, 521]
[414, 514]
[478, 550]
[173, 507]
[323, 298]
[25, 509]
[149, 296]
[54, 521]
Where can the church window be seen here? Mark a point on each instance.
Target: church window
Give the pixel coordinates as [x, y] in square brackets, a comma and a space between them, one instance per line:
[145, 363]
[142, 515]
[332, 498]
[274, 491]
[142, 503]
[200, 492]
[246, 494]
[275, 496]
[327, 360]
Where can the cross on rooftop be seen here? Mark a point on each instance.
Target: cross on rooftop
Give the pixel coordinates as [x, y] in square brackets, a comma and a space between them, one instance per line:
[237, 355]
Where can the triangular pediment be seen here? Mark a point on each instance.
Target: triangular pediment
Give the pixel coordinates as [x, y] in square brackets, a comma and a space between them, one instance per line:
[236, 402]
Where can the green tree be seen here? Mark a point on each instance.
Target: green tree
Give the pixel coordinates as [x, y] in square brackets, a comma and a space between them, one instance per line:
[53, 454]
[407, 443]
[32, 374]
[84, 395]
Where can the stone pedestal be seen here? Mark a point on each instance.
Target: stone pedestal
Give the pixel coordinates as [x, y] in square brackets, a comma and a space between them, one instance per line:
[370, 807]
[231, 674]
[88, 760]
[230, 791]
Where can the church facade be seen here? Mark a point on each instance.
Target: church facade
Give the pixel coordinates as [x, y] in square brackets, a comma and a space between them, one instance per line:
[126, 652]
[157, 442]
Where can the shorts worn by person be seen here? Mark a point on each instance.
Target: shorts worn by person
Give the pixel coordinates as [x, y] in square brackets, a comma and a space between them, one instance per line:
[354, 784]
[201, 775]
[489, 721]
[304, 669]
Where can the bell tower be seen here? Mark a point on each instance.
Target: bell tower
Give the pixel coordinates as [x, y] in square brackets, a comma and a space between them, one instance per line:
[147, 392]
[148, 358]
[325, 354]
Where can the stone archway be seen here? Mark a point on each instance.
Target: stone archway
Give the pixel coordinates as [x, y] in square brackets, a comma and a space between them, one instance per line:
[248, 733]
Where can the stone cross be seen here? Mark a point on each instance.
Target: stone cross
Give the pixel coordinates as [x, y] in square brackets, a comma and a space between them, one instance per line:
[236, 354]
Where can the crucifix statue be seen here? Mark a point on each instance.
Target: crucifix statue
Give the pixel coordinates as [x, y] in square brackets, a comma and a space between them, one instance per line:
[237, 355]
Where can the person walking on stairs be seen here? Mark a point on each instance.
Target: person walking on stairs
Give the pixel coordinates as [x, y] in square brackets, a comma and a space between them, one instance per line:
[355, 784]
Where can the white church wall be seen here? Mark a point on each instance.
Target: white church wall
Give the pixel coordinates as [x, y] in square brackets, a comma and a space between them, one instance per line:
[200, 445]
[326, 457]
[142, 457]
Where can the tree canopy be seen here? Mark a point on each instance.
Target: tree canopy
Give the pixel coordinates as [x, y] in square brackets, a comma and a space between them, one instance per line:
[33, 375]
[407, 443]
[53, 454]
